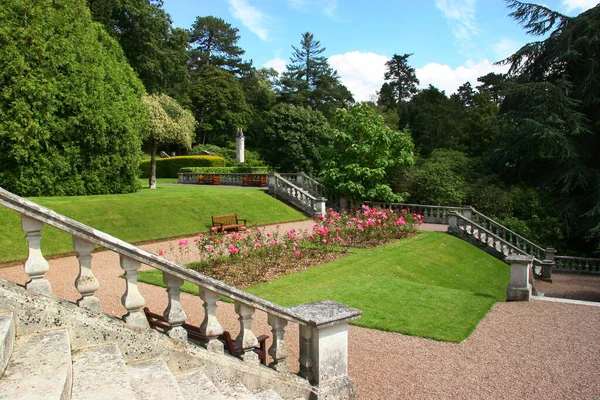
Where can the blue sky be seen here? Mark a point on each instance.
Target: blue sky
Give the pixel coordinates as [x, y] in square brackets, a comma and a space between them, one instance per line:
[453, 41]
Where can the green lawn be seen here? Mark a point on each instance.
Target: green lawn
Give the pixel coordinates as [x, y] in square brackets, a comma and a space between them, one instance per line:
[168, 211]
[432, 285]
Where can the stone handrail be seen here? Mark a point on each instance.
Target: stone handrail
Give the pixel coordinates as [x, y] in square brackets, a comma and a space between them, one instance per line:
[229, 178]
[319, 359]
[305, 182]
[577, 264]
[301, 198]
[514, 238]
[431, 214]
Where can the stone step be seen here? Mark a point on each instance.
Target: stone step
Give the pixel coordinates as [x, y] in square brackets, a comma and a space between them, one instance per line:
[267, 395]
[234, 390]
[7, 338]
[40, 367]
[153, 380]
[195, 385]
[99, 373]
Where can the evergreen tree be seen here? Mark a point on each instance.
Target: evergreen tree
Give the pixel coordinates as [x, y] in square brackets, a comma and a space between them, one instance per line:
[310, 82]
[401, 81]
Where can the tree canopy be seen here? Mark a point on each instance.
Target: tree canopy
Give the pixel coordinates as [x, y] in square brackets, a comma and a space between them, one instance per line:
[71, 117]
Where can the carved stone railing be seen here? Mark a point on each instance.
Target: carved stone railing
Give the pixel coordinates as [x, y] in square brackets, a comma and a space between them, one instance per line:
[301, 198]
[577, 264]
[323, 325]
[431, 214]
[230, 179]
[306, 182]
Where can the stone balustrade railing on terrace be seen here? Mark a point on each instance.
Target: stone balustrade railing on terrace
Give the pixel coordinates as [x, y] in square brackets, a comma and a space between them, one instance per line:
[296, 195]
[323, 326]
[305, 182]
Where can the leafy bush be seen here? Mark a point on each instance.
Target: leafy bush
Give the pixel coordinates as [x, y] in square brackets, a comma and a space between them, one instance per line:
[242, 169]
[71, 117]
[169, 167]
[251, 157]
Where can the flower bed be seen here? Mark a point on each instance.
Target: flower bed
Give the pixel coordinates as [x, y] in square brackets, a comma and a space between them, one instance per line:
[257, 255]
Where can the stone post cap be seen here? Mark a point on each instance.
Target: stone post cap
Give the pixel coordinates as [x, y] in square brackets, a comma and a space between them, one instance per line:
[550, 250]
[325, 313]
[519, 259]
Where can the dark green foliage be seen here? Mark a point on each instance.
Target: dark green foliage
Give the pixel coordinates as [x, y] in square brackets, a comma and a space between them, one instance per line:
[219, 105]
[294, 139]
[549, 122]
[169, 167]
[240, 169]
[365, 153]
[71, 116]
[154, 49]
[310, 82]
[214, 42]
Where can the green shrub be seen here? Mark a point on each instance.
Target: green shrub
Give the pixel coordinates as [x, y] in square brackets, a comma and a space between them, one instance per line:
[71, 117]
[251, 157]
[169, 167]
[242, 169]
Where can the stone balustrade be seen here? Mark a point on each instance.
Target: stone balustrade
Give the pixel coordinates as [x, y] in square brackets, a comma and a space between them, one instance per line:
[323, 325]
[305, 182]
[431, 214]
[301, 198]
[578, 264]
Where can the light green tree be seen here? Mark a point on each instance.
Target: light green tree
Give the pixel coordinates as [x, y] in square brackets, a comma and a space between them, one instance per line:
[364, 154]
[169, 123]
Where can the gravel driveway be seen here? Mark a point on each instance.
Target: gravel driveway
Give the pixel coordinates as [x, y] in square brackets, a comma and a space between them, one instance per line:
[536, 349]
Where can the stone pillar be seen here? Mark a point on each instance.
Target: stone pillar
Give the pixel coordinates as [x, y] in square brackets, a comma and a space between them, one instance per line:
[548, 264]
[239, 146]
[246, 338]
[86, 283]
[271, 188]
[174, 313]
[300, 179]
[210, 327]
[519, 288]
[324, 348]
[320, 206]
[132, 299]
[343, 203]
[467, 212]
[453, 223]
[36, 265]
[278, 351]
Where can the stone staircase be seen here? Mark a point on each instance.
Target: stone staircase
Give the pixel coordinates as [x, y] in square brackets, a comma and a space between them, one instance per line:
[49, 360]
[135, 361]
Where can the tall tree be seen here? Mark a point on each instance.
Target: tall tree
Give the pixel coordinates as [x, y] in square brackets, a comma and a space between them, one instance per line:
[550, 118]
[492, 83]
[309, 80]
[71, 116]
[402, 83]
[214, 42]
[169, 124]
[154, 48]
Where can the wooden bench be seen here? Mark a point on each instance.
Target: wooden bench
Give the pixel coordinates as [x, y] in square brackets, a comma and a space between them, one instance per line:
[227, 222]
[158, 322]
[213, 179]
[261, 179]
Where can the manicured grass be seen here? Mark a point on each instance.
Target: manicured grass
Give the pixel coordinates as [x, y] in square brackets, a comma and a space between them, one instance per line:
[168, 211]
[431, 285]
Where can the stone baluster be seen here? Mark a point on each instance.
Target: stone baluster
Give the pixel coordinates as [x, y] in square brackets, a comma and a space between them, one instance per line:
[278, 351]
[246, 338]
[210, 327]
[36, 265]
[519, 288]
[132, 299]
[324, 348]
[174, 313]
[86, 283]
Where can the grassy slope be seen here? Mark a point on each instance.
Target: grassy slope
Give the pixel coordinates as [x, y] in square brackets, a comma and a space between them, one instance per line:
[431, 285]
[168, 211]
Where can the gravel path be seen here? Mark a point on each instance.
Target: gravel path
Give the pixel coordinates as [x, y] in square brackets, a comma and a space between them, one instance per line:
[538, 349]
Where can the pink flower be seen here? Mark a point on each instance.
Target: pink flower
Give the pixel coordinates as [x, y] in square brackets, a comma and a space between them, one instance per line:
[324, 241]
[162, 252]
[245, 254]
[200, 235]
[233, 249]
[183, 242]
[214, 229]
[268, 235]
[297, 253]
[319, 217]
[277, 226]
[209, 247]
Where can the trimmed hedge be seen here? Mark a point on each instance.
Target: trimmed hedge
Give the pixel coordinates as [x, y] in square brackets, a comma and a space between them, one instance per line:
[228, 170]
[169, 167]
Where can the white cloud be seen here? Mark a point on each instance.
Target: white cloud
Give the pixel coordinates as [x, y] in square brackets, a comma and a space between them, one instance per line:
[277, 63]
[361, 73]
[252, 18]
[327, 7]
[445, 78]
[460, 15]
[583, 5]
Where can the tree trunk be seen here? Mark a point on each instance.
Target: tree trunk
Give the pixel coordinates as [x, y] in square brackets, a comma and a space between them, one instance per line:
[152, 179]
